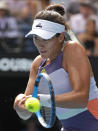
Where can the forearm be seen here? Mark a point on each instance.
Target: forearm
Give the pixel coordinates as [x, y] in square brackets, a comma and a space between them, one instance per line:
[72, 100]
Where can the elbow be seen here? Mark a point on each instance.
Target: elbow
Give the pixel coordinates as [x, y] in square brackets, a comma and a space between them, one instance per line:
[85, 99]
[82, 99]
[84, 104]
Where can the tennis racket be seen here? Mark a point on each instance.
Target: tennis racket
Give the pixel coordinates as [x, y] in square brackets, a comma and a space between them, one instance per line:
[43, 88]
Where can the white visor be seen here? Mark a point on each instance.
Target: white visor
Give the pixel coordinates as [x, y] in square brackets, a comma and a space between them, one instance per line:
[45, 29]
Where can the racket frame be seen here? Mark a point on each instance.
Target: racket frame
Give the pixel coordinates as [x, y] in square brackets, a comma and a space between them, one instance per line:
[52, 98]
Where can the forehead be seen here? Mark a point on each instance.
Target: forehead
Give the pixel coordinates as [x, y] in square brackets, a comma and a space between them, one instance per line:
[86, 7]
[39, 39]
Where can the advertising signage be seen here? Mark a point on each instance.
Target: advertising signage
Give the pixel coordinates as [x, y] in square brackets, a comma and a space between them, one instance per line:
[16, 64]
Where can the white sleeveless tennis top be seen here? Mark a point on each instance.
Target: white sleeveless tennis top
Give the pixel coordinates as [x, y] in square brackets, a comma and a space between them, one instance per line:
[61, 84]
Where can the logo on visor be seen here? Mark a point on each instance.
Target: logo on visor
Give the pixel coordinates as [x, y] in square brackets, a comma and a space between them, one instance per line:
[39, 25]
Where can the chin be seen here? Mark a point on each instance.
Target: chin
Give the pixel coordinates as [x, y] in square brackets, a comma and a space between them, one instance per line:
[44, 57]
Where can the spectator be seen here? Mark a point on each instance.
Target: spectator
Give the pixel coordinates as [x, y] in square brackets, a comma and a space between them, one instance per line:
[96, 46]
[25, 17]
[87, 37]
[45, 3]
[24, 24]
[8, 28]
[86, 11]
[15, 6]
[72, 9]
[8, 24]
[25, 20]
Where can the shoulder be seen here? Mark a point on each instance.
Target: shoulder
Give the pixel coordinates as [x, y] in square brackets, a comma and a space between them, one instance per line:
[76, 17]
[73, 52]
[73, 47]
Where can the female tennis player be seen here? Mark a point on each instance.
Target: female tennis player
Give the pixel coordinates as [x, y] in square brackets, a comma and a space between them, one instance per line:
[68, 66]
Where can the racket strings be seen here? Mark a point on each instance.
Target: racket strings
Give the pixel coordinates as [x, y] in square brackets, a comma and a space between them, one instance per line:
[45, 112]
[47, 102]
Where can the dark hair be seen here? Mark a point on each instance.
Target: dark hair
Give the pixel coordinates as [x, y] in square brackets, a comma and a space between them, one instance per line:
[54, 13]
[87, 4]
[58, 8]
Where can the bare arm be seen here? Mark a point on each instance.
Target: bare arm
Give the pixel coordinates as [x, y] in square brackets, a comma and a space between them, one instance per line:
[77, 65]
[32, 77]
[20, 99]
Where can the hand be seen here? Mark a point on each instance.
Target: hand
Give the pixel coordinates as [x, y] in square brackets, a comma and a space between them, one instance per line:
[20, 100]
[19, 106]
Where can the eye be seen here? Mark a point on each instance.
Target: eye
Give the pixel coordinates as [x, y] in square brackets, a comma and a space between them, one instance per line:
[35, 37]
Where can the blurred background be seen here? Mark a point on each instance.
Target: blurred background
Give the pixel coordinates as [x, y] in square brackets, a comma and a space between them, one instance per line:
[18, 52]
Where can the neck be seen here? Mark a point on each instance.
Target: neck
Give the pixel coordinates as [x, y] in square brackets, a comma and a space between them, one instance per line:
[55, 53]
[90, 33]
[53, 56]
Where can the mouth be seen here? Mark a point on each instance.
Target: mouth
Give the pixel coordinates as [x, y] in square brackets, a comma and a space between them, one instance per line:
[43, 51]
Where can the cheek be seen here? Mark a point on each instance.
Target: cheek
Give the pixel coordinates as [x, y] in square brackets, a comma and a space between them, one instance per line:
[35, 43]
[50, 48]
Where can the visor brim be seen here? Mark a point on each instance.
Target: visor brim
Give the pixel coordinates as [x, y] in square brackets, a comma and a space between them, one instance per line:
[41, 33]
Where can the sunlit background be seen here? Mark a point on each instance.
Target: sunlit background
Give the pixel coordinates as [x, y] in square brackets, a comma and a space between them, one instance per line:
[18, 52]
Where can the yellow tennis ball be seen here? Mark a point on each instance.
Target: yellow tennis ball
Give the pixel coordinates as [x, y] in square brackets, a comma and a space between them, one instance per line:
[32, 104]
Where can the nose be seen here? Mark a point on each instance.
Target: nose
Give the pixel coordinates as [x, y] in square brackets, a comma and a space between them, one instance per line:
[41, 44]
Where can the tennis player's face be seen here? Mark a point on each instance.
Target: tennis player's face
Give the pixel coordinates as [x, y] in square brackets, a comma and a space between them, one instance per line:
[47, 48]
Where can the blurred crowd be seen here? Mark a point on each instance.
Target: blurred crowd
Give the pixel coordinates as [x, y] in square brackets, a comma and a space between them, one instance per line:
[16, 20]
[83, 20]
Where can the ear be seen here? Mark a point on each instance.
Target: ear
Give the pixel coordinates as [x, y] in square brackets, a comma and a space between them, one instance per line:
[61, 37]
